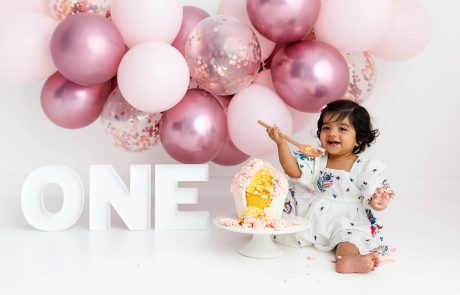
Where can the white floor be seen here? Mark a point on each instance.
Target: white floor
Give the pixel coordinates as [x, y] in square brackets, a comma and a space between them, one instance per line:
[423, 224]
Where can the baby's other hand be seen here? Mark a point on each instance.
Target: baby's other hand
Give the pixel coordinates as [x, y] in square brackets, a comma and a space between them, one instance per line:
[274, 134]
[381, 198]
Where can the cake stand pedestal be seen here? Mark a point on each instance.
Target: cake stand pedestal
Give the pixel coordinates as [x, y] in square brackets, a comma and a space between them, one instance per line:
[261, 244]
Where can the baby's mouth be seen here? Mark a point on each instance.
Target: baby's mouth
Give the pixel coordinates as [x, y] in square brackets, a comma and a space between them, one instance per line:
[333, 142]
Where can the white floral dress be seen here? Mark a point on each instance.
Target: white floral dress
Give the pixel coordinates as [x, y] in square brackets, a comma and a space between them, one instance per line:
[335, 202]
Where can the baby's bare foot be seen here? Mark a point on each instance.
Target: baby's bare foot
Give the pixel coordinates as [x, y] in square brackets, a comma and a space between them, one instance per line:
[357, 263]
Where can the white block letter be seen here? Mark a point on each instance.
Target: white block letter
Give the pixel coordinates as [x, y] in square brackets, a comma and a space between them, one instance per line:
[168, 195]
[106, 188]
[32, 203]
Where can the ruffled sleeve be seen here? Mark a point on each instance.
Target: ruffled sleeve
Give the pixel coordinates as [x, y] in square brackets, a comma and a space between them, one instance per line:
[307, 166]
[371, 177]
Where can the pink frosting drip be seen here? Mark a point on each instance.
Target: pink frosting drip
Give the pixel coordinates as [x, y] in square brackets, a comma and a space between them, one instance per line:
[242, 179]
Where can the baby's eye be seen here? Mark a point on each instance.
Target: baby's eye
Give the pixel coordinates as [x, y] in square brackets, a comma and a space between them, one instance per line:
[325, 128]
[342, 129]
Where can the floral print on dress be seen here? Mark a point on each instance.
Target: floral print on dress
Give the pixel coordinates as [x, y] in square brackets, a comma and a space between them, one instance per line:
[301, 156]
[375, 228]
[324, 181]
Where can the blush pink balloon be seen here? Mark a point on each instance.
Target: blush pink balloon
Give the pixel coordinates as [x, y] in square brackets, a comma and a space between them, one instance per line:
[309, 74]
[254, 103]
[229, 155]
[87, 48]
[283, 21]
[353, 25]
[409, 33]
[194, 131]
[191, 16]
[237, 9]
[71, 105]
[300, 120]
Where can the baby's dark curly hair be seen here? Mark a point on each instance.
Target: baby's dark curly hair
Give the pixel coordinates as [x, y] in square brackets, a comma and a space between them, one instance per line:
[359, 119]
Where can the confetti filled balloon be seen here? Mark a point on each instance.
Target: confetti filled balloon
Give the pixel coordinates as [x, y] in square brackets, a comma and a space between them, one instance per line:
[362, 76]
[223, 55]
[129, 128]
[63, 8]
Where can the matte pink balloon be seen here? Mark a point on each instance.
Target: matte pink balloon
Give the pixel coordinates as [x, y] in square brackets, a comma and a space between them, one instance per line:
[87, 48]
[71, 105]
[309, 74]
[283, 21]
[229, 155]
[191, 16]
[409, 33]
[194, 131]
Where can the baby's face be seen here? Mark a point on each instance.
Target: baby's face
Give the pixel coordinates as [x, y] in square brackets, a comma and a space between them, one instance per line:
[337, 137]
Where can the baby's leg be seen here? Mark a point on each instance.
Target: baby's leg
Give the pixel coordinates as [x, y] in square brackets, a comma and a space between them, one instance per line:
[350, 261]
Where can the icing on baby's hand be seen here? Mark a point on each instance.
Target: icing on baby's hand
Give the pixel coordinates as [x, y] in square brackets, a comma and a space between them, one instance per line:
[381, 198]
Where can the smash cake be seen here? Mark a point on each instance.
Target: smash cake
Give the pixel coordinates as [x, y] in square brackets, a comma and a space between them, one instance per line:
[259, 191]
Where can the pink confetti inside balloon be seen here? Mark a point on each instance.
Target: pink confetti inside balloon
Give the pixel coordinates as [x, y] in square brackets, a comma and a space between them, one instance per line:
[63, 8]
[223, 55]
[129, 128]
[362, 76]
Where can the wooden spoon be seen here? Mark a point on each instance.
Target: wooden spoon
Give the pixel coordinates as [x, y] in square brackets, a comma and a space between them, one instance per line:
[304, 148]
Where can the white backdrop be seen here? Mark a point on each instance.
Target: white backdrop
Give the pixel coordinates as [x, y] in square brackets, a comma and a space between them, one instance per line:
[415, 105]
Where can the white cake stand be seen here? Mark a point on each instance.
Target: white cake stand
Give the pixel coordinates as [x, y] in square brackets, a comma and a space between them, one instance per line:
[261, 244]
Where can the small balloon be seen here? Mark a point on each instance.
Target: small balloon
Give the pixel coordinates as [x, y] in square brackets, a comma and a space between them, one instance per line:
[70, 105]
[87, 49]
[363, 76]
[63, 8]
[229, 155]
[194, 131]
[283, 21]
[223, 55]
[309, 74]
[129, 128]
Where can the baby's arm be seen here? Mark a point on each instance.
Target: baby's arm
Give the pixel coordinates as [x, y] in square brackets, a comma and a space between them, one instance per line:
[287, 161]
[381, 198]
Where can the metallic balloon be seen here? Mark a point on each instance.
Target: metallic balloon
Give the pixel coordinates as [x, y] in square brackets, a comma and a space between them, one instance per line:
[63, 8]
[71, 105]
[194, 131]
[129, 128]
[309, 74]
[190, 18]
[363, 76]
[87, 48]
[223, 55]
[283, 21]
[229, 155]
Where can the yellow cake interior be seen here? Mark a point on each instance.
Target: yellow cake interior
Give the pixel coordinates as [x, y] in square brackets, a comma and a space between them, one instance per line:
[258, 194]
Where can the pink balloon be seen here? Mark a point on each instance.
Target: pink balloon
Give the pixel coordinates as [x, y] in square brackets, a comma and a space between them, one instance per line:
[87, 48]
[353, 25]
[191, 16]
[254, 103]
[237, 9]
[409, 33]
[229, 155]
[63, 8]
[194, 131]
[71, 105]
[129, 128]
[223, 55]
[309, 74]
[283, 21]
[25, 47]
[300, 120]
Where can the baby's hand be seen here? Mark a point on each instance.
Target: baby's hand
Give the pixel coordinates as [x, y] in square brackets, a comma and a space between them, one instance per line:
[274, 134]
[381, 198]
